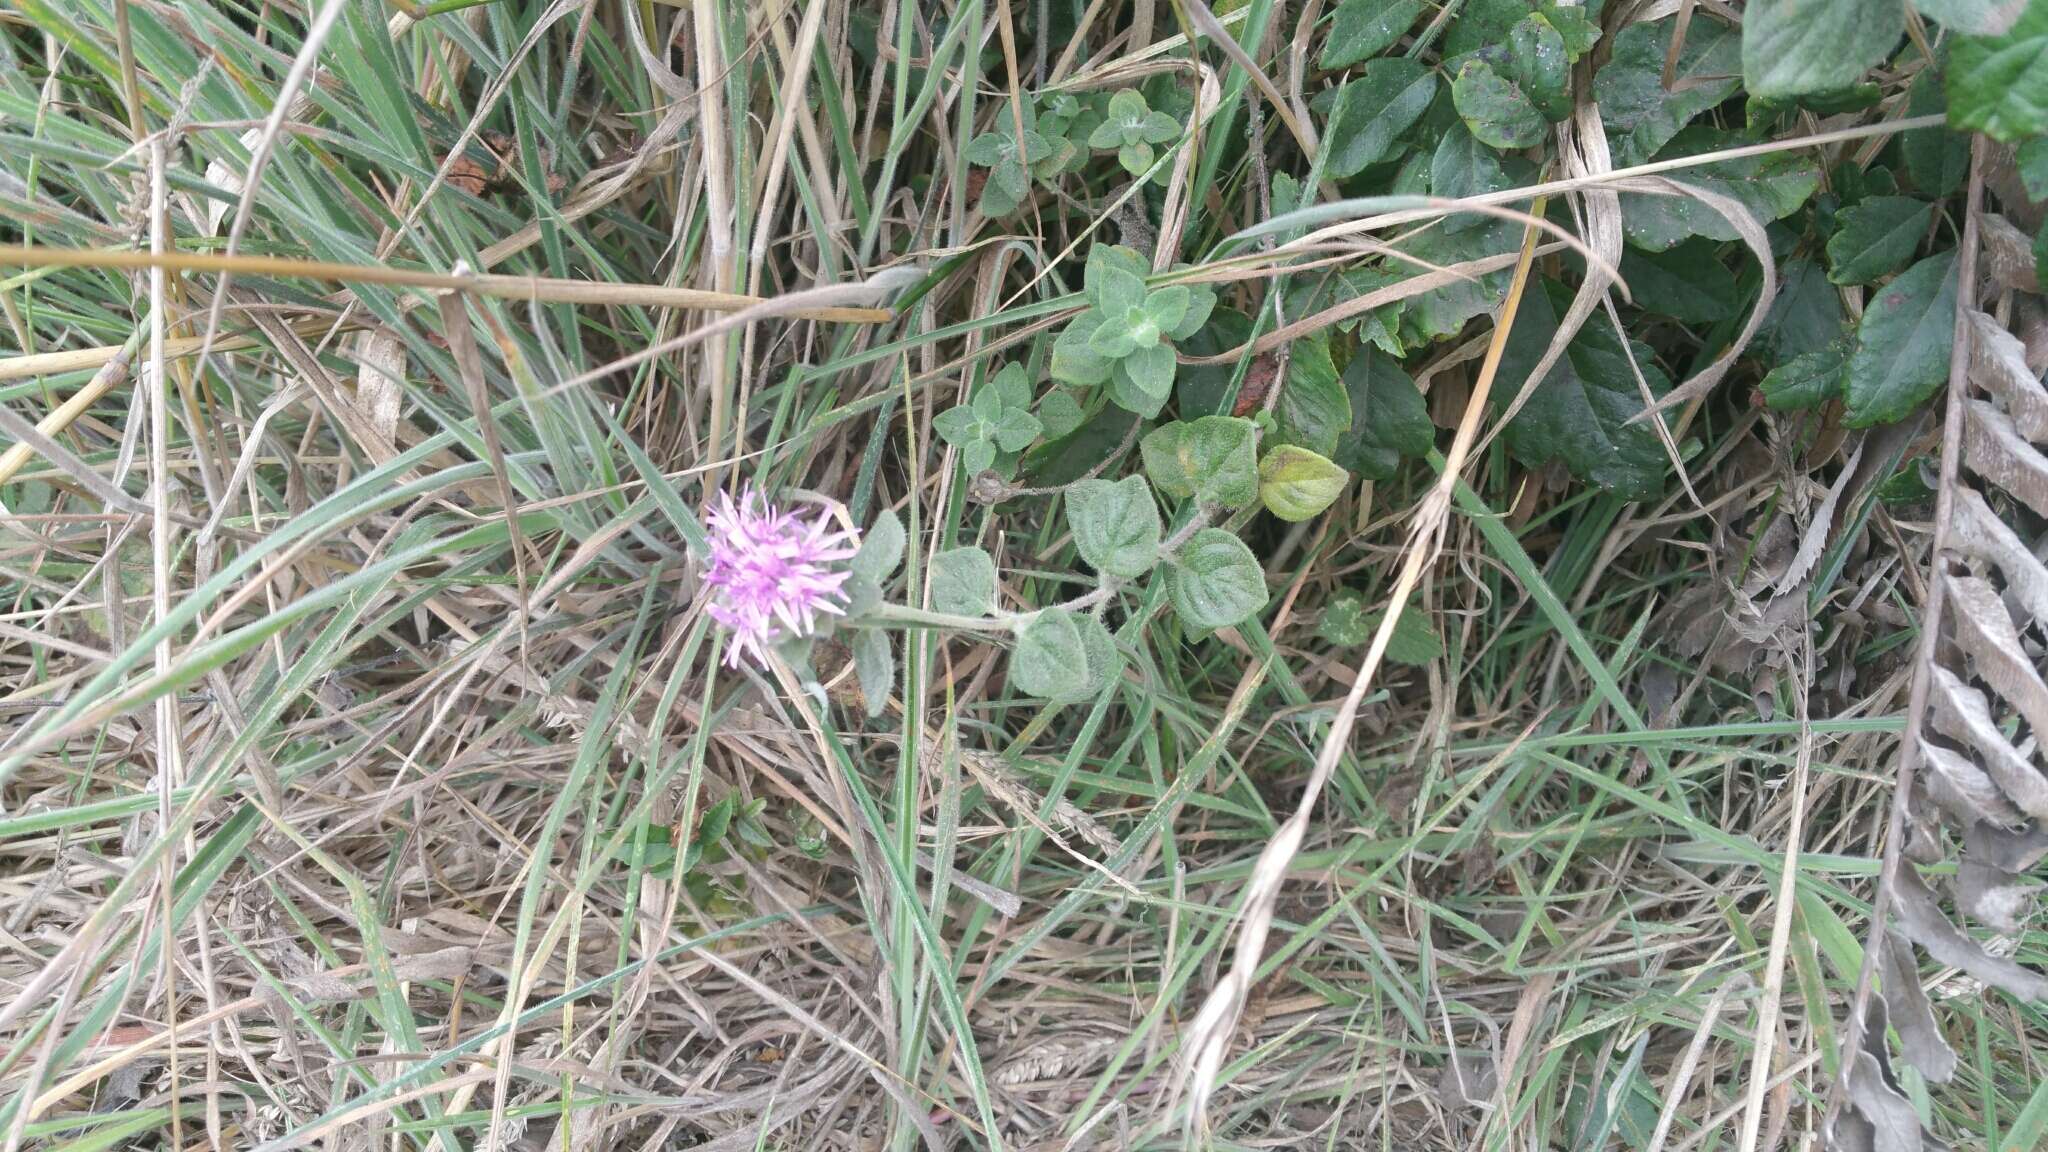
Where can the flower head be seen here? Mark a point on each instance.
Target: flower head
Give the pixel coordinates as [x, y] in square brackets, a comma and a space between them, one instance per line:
[771, 573]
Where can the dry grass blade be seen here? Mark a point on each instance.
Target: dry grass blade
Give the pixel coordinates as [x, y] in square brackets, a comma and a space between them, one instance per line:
[1208, 1034]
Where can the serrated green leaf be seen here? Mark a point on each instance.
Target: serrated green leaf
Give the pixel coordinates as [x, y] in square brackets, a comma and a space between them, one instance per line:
[1099, 650]
[881, 548]
[1295, 483]
[2031, 158]
[1937, 159]
[1903, 344]
[987, 406]
[1998, 85]
[1363, 29]
[1051, 659]
[1642, 115]
[1313, 410]
[1792, 47]
[1805, 317]
[978, 457]
[1444, 311]
[1389, 417]
[1808, 380]
[1369, 114]
[1580, 411]
[1971, 17]
[874, 664]
[1103, 258]
[1135, 158]
[1538, 66]
[963, 582]
[1116, 525]
[1876, 237]
[1412, 642]
[1461, 167]
[1215, 581]
[1211, 458]
[1688, 283]
[1770, 187]
[1167, 307]
[1117, 291]
[1495, 111]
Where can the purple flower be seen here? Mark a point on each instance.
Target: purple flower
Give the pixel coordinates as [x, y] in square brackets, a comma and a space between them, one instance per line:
[770, 573]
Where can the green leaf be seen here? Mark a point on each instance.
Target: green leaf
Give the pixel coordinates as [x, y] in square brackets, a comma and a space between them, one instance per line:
[1295, 483]
[1016, 430]
[978, 457]
[1167, 307]
[874, 663]
[1998, 85]
[1640, 113]
[1792, 47]
[1462, 167]
[1413, 641]
[1051, 658]
[2032, 160]
[881, 549]
[1158, 128]
[1116, 525]
[1770, 187]
[1903, 344]
[1113, 340]
[1117, 290]
[988, 406]
[1363, 29]
[1343, 621]
[1688, 283]
[1442, 312]
[1806, 316]
[1495, 111]
[1073, 360]
[1215, 581]
[1201, 302]
[1143, 380]
[1211, 458]
[1537, 65]
[1937, 159]
[963, 582]
[1808, 380]
[1580, 411]
[1012, 387]
[1103, 258]
[959, 426]
[2041, 258]
[1059, 414]
[1876, 237]
[1313, 410]
[1389, 417]
[1099, 650]
[1135, 158]
[1371, 112]
[1971, 17]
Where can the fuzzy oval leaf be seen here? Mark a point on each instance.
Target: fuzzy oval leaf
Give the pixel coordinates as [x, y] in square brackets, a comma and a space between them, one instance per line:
[874, 664]
[1116, 525]
[881, 549]
[1212, 458]
[1877, 237]
[1051, 658]
[1215, 581]
[1903, 344]
[1793, 47]
[1074, 361]
[1295, 483]
[963, 582]
[1098, 650]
